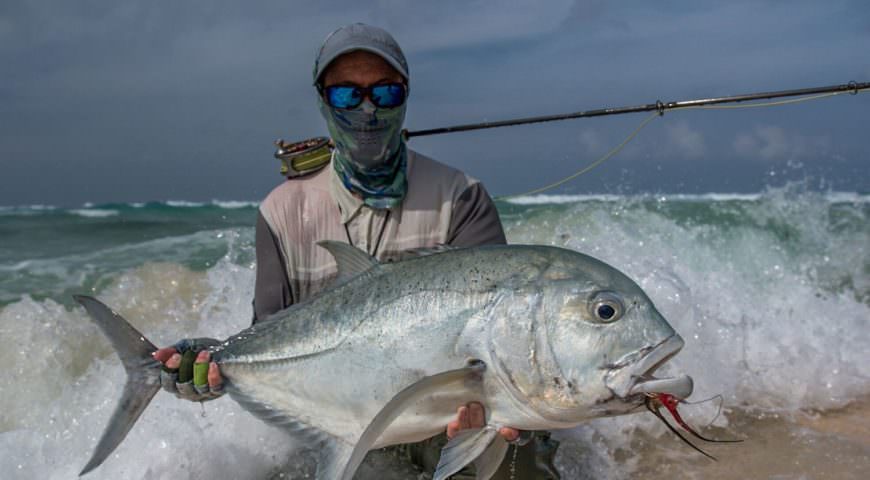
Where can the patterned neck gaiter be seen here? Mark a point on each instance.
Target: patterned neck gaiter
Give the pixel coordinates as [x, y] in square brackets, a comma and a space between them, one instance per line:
[370, 155]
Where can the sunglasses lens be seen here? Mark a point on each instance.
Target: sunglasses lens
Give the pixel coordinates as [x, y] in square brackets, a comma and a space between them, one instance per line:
[383, 96]
[388, 96]
[344, 96]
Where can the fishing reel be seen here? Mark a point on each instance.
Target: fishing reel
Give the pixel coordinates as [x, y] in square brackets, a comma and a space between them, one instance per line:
[301, 158]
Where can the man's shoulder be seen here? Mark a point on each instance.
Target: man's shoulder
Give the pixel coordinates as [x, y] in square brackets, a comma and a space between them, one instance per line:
[294, 189]
[428, 171]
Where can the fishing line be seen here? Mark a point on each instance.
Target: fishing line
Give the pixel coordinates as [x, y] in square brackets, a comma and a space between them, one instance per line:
[660, 113]
[589, 167]
[718, 407]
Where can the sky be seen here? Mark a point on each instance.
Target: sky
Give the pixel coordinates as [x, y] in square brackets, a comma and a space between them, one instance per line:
[108, 101]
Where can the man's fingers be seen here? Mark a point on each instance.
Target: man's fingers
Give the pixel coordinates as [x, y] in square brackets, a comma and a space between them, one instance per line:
[185, 371]
[174, 361]
[476, 415]
[215, 380]
[509, 434]
[164, 354]
[200, 371]
[473, 415]
[462, 417]
[453, 429]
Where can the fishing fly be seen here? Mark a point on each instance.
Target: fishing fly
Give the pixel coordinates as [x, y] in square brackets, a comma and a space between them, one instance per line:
[655, 401]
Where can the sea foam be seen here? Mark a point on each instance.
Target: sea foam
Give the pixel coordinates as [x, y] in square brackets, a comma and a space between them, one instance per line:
[770, 292]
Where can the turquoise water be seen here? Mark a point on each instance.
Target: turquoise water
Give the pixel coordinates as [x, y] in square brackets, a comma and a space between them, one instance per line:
[771, 292]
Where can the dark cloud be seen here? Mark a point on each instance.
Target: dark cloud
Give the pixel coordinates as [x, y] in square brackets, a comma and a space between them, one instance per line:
[123, 101]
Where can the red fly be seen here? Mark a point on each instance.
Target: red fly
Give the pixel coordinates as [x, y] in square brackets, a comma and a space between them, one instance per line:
[654, 401]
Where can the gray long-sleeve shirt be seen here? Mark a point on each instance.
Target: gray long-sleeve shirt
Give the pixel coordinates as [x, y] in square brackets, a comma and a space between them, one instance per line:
[443, 206]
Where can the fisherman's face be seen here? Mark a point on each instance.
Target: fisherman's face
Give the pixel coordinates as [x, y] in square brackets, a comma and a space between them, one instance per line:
[362, 69]
[366, 135]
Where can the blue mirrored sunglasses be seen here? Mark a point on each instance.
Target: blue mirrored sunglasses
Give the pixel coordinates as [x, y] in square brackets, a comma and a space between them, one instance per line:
[388, 95]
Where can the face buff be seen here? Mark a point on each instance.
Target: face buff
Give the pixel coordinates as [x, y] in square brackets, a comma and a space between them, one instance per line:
[370, 155]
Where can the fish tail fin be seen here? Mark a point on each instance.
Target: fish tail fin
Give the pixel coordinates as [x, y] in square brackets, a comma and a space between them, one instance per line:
[143, 375]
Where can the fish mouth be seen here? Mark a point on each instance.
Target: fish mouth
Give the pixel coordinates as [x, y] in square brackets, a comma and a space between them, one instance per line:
[633, 376]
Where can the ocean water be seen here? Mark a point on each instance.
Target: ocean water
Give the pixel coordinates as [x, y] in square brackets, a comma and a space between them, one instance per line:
[771, 292]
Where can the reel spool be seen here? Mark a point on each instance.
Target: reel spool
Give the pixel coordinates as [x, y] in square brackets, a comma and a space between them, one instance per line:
[301, 158]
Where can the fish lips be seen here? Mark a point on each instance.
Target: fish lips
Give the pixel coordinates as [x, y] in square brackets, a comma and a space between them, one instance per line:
[632, 375]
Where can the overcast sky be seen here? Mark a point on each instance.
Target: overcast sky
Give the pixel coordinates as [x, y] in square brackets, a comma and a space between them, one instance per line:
[116, 101]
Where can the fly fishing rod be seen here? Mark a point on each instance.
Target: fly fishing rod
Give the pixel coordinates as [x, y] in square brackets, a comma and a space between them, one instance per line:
[658, 106]
[301, 158]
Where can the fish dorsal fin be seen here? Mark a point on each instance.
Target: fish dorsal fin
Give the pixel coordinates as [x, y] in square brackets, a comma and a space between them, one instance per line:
[467, 446]
[351, 261]
[401, 402]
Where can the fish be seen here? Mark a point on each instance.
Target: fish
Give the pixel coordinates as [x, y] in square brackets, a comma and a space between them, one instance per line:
[545, 337]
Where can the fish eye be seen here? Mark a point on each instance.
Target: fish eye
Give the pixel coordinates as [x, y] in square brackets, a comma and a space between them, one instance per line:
[605, 312]
[607, 307]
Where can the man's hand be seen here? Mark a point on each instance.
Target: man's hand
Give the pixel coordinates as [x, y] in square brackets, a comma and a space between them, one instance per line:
[188, 373]
[474, 416]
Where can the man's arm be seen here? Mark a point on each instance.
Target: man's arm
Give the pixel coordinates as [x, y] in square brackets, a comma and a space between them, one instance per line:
[272, 288]
[475, 220]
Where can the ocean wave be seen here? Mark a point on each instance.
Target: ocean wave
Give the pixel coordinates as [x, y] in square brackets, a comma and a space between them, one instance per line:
[26, 209]
[94, 212]
[227, 204]
[183, 203]
[550, 199]
[234, 204]
[547, 199]
[770, 292]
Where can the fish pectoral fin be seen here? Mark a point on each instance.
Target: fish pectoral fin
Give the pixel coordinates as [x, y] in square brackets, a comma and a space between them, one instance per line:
[488, 462]
[484, 446]
[401, 402]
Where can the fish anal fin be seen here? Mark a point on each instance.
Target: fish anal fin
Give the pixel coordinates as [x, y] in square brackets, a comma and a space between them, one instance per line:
[350, 260]
[332, 452]
[401, 402]
[467, 446]
[296, 427]
[333, 456]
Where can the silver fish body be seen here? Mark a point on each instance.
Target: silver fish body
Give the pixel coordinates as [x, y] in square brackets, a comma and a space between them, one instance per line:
[545, 337]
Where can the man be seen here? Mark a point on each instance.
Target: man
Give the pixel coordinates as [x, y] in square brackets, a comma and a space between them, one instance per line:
[377, 195]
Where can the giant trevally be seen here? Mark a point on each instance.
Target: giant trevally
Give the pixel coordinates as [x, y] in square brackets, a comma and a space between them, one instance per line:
[546, 338]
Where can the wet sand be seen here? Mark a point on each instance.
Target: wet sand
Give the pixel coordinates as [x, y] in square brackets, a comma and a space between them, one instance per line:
[806, 445]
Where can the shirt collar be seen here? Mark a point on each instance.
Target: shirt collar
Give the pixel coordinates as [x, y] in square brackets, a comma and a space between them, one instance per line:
[348, 203]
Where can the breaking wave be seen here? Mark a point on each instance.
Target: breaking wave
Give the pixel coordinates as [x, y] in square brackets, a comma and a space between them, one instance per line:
[771, 292]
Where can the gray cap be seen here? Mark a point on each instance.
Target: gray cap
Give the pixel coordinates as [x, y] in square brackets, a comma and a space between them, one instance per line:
[359, 36]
